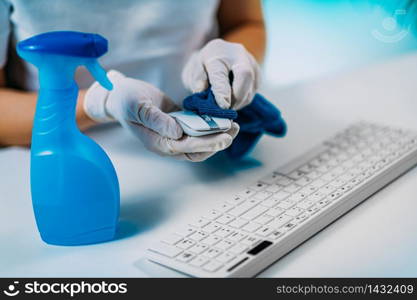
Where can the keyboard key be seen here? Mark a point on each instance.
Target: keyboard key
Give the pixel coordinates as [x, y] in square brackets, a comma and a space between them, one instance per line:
[246, 193]
[225, 257]
[281, 195]
[301, 218]
[295, 211]
[337, 171]
[271, 179]
[289, 226]
[212, 215]
[286, 204]
[265, 231]
[348, 164]
[212, 227]
[225, 219]
[172, 239]
[333, 196]
[275, 212]
[367, 152]
[254, 212]
[307, 168]
[315, 197]
[263, 219]
[306, 204]
[303, 181]
[280, 221]
[326, 190]
[316, 184]
[308, 190]
[198, 235]
[277, 234]
[284, 181]
[258, 186]
[292, 188]
[323, 203]
[185, 256]
[344, 189]
[236, 200]
[296, 174]
[198, 248]
[185, 244]
[333, 162]
[313, 210]
[237, 236]
[271, 202]
[357, 158]
[199, 222]
[254, 200]
[333, 175]
[250, 240]
[165, 249]
[262, 195]
[185, 231]
[317, 162]
[297, 197]
[238, 223]
[322, 169]
[238, 248]
[342, 157]
[251, 227]
[224, 245]
[212, 266]
[244, 207]
[325, 156]
[316, 174]
[351, 151]
[212, 253]
[198, 261]
[338, 183]
[224, 232]
[273, 188]
[211, 240]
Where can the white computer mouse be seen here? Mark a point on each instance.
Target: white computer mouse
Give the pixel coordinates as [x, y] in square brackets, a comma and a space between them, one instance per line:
[196, 125]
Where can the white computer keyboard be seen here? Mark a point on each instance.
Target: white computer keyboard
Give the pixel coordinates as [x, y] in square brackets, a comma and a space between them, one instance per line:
[245, 234]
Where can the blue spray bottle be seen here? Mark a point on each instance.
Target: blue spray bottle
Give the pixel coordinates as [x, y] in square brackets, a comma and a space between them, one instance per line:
[75, 191]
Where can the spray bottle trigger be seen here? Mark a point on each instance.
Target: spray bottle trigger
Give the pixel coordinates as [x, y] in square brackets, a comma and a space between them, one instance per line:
[99, 74]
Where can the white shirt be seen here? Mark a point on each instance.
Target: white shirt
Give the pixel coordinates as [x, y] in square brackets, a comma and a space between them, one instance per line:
[148, 39]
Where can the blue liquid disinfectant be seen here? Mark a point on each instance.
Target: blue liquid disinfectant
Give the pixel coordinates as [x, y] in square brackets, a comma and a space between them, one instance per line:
[75, 191]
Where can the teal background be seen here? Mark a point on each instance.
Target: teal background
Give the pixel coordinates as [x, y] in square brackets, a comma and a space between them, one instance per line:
[312, 38]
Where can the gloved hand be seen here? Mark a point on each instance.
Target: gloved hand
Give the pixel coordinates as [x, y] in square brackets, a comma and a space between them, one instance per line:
[212, 65]
[142, 109]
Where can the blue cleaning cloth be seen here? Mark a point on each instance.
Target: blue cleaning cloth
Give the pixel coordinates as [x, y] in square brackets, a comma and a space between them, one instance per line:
[204, 103]
[255, 119]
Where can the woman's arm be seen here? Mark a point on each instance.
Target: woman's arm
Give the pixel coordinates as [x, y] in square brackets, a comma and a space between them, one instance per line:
[17, 109]
[241, 21]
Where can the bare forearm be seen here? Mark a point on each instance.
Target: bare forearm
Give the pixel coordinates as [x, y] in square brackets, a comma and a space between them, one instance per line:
[17, 110]
[252, 36]
[241, 21]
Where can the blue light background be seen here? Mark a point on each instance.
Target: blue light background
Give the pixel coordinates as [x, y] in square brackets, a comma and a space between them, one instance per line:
[311, 38]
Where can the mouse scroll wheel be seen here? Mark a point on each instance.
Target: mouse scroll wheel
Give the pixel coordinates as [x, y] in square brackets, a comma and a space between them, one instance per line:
[210, 122]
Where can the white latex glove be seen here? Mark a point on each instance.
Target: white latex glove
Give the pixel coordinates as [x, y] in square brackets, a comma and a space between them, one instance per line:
[213, 63]
[142, 109]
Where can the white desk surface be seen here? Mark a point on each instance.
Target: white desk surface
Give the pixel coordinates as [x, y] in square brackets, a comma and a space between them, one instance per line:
[377, 238]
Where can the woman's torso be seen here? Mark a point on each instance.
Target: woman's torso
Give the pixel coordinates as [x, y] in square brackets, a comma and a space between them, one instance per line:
[148, 39]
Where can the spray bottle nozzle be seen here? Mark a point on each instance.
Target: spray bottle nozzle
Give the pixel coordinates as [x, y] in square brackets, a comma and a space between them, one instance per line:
[99, 74]
[67, 50]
